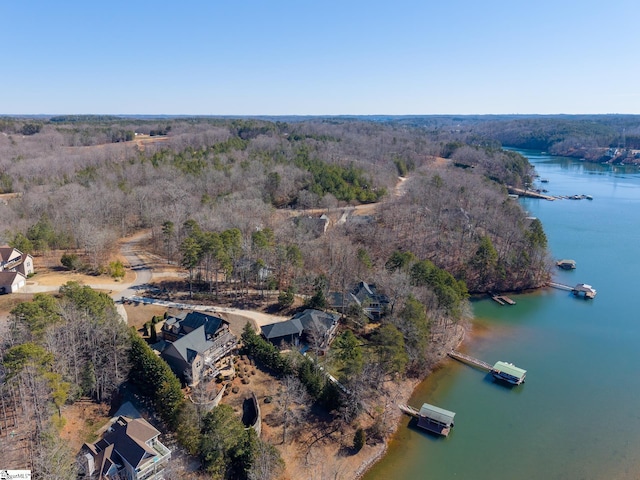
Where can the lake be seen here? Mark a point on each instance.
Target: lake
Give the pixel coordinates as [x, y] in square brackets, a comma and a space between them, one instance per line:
[577, 415]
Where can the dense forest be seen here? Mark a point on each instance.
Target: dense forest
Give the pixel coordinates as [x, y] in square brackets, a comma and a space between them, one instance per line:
[596, 138]
[82, 189]
[420, 210]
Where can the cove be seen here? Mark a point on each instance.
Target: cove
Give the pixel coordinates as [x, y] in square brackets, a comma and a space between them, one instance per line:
[577, 416]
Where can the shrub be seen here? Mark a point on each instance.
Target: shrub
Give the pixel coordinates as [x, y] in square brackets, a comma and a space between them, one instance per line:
[70, 261]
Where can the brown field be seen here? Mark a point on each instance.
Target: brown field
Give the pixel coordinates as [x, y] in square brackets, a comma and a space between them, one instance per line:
[138, 314]
[82, 421]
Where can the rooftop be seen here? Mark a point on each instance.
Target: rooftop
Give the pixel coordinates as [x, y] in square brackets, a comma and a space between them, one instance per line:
[436, 413]
[282, 329]
[509, 369]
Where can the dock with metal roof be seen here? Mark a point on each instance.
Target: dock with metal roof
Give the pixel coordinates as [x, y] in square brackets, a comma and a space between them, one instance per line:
[500, 370]
[431, 418]
[509, 373]
[580, 289]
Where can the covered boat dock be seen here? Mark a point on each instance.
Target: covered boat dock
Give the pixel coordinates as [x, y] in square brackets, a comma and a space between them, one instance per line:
[431, 418]
[509, 373]
[566, 264]
[583, 289]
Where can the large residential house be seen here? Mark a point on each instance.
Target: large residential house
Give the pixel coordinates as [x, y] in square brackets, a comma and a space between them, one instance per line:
[365, 296]
[15, 267]
[311, 328]
[129, 449]
[192, 344]
[313, 226]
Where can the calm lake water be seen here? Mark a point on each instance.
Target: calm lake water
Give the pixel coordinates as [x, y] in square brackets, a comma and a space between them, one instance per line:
[577, 416]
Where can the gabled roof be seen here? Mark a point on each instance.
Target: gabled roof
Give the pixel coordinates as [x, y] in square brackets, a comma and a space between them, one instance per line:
[125, 441]
[194, 320]
[436, 413]
[8, 278]
[103, 460]
[509, 369]
[583, 287]
[129, 437]
[316, 320]
[363, 291]
[7, 252]
[283, 329]
[191, 344]
[306, 321]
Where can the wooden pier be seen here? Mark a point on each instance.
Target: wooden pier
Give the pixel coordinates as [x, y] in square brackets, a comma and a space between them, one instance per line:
[502, 300]
[409, 410]
[580, 289]
[474, 362]
[529, 193]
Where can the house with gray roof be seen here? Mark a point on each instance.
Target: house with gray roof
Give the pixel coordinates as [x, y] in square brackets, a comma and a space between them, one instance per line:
[310, 327]
[181, 325]
[312, 225]
[192, 344]
[129, 449]
[288, 332]
[365, 296]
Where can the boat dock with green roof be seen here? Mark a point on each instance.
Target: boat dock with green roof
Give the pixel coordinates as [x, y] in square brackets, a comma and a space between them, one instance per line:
[504, 371]
[431, 418]
[509, 373]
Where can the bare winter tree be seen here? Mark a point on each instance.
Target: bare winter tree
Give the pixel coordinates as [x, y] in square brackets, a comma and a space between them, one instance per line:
[292, 402]
[267, 464]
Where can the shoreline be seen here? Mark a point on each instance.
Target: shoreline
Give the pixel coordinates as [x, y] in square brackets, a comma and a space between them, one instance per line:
[404, 394]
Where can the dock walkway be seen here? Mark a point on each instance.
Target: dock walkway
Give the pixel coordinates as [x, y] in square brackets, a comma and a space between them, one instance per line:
[529, 193]
[560, 286]
[409, 410]
[470, 360]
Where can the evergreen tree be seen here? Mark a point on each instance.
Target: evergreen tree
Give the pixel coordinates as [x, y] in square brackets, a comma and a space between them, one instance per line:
[359, 440]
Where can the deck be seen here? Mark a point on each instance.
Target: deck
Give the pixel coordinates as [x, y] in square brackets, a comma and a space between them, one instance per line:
[503, 300]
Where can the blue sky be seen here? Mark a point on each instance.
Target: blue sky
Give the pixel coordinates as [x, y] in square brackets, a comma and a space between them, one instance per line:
[252, 57]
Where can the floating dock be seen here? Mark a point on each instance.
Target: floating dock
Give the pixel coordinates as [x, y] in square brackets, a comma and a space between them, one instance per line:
[502, 300]
[431, 418]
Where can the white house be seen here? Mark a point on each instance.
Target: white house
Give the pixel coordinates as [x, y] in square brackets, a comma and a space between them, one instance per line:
[15, 267]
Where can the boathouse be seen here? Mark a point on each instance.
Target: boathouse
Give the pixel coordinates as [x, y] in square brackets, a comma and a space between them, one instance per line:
[566, 264]
[435, 419]
[508, 372]
[583, 289]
